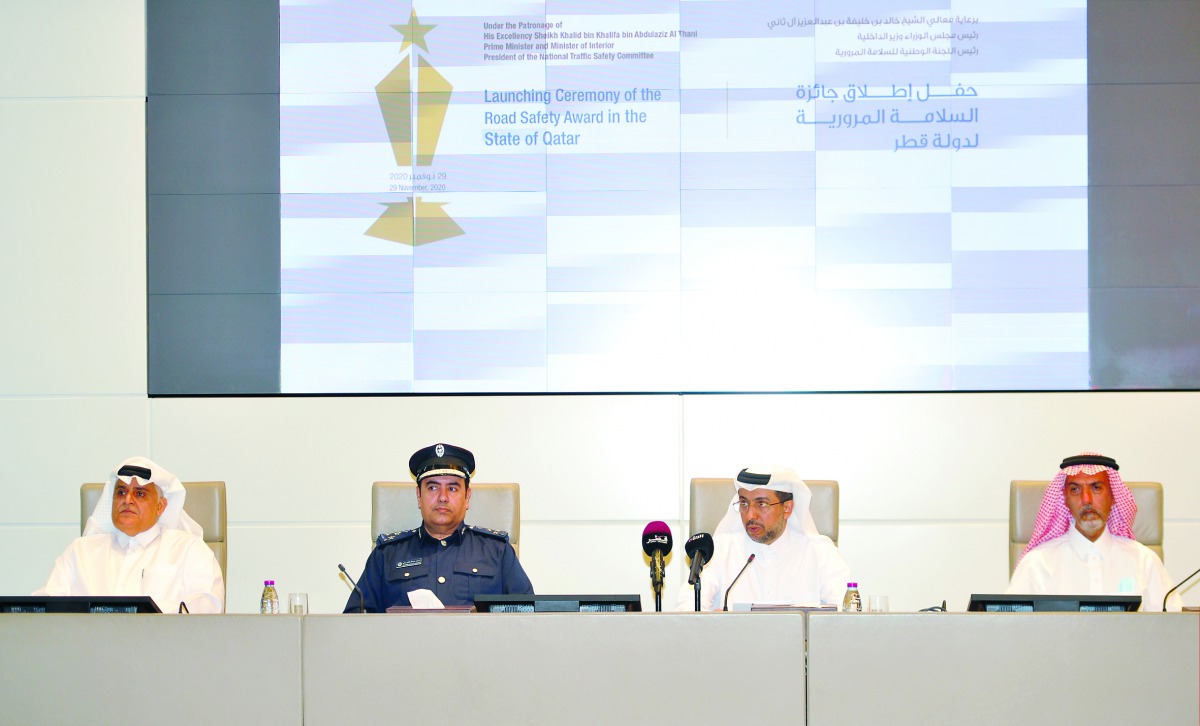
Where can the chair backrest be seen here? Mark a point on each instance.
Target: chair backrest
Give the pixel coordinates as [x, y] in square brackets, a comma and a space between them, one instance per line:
[205, 503]
[495, 506]
[1025, 498]
[711, 499]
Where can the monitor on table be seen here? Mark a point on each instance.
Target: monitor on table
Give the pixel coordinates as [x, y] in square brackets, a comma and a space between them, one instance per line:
[1054, 603]
[558, 603]
[78, 604]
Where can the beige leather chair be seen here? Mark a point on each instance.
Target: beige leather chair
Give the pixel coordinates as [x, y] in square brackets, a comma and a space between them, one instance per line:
[205, 503]
[711, 500]
[1025, 498]
[495, 506]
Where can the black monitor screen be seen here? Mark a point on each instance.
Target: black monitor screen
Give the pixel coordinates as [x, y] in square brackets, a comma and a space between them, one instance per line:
[558, 603]
[1054, 603]
[78, 604]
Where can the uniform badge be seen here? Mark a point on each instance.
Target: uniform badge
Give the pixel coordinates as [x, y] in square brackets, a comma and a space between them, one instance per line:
[408, 563]
[440, 450]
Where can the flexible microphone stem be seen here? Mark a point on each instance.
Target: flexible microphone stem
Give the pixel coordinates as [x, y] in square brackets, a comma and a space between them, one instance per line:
[694, 576]
[725, 608]
[362, 601]
[1173, 589]
[656, 580]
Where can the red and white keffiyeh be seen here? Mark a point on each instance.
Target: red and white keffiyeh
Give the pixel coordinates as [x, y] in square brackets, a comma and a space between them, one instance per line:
[1054, 518]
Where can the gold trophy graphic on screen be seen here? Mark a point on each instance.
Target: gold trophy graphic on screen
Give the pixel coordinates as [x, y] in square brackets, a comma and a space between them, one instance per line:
[413, 99]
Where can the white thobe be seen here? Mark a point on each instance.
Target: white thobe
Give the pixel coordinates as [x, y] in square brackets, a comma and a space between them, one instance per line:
[1073, 565]
[792, 570]
[168, 565]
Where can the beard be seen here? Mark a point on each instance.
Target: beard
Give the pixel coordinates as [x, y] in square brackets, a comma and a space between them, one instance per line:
[769, 535]
[1090, 526]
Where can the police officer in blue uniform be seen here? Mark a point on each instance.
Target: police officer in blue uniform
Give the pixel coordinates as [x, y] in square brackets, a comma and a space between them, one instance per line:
[453, 560]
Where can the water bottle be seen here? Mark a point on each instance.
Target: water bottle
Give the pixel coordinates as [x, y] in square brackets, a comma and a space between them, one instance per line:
[269, 605]
[852, 603]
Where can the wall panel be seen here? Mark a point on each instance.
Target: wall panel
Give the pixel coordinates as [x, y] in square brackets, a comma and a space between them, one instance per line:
[69, 48]
[72, 246]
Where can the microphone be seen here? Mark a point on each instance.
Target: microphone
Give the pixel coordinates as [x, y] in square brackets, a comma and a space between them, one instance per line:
[656, 542]
[699, 549]
[362, 602]
[739, 574]
[1173, 589]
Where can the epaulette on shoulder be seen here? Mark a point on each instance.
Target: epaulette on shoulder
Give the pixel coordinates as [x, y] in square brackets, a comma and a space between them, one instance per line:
[496, 533]
[395, 536]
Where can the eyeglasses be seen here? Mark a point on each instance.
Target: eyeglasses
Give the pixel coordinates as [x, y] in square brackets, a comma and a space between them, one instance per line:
[760, 505]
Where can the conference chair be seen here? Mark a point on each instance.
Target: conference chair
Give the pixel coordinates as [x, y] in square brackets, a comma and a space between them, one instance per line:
[205, 503]
[711, 499]
[495, 506]
[1025, 498]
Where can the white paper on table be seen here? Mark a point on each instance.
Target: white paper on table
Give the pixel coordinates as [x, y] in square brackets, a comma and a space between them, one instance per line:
[744, 607]
[424, 600]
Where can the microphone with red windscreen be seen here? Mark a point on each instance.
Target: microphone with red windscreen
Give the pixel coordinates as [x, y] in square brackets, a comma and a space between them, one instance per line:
[656, 543]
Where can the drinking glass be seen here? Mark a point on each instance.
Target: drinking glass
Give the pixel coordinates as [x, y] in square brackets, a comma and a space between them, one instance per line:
[298, 603]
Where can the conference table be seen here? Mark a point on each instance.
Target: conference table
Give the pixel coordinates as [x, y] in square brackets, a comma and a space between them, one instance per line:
[602, 668]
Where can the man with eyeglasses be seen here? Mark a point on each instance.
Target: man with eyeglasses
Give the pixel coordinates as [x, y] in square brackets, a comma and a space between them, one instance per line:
[1083, 543]
[139, 541]
[793, 563]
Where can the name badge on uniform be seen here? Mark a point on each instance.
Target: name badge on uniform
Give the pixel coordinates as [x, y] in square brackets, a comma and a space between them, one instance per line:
[408, 563]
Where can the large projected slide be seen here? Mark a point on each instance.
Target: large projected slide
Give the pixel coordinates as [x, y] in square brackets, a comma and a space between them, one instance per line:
[683, 196]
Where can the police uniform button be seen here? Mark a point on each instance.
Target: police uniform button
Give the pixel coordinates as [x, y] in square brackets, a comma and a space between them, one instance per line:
[406, 574]
[443, 543]
[442, 580]
[474, 569]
